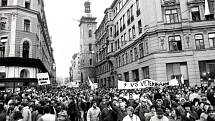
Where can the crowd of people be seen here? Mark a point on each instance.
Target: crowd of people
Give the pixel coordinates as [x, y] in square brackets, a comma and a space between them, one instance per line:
[78, 104]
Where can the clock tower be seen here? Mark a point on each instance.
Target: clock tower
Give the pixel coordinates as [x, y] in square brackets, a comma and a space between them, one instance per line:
[87, 45]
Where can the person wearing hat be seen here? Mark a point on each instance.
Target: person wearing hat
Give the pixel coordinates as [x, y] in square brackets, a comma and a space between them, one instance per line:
[211, 113]
[159, 116]
[131, 116]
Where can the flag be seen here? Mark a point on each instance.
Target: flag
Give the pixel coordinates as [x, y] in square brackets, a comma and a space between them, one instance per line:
[91, 84]
[182, 79]
[207, 10]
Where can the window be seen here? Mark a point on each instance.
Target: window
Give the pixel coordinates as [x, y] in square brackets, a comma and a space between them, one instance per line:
[122, 42]
[171, 16]
[2, 45]
[146, 46]
[111, 31]
[130, 34]
[128, 17]
[118, 44]
[91, 62]
[199, 41]
[126, 58]
[27, 25]
[117, 28]
[140, 26]
[145, 72]
[132, 16]
[111, 47]
[211, 39]
[25, 50]
[131, 55]
[195, 14]
[135, 53]
[125, 38]
[123, 59]
[175, 43]
[90, 47]
[138, 7]
[121, 26]
[24, 73]
[3, 23]
[90, 33]
[119, 61]
[126, 75]
[141, 50]
[123, 21]
[117, 64]
[133, 32]
[27, 4]
[135, 74]
[176, 70]
[4, 3]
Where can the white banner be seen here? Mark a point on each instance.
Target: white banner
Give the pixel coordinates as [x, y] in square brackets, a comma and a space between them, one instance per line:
[43, 79]
[140, 84]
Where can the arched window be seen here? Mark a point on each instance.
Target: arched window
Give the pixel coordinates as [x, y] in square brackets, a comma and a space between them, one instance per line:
[25, 49]
[24, 73]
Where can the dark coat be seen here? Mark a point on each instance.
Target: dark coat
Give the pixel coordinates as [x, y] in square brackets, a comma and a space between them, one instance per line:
[120, 113]
[140, 111]
[107, 115]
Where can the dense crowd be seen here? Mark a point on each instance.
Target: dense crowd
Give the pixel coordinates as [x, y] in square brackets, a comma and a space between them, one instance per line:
[77, 104]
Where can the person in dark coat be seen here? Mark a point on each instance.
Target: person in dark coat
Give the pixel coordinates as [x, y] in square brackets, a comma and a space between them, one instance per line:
[107, 114]
[120, 111]
[73, 110]
[141, 109]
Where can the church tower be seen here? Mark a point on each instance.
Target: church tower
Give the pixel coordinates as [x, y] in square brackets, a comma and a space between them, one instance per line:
[87, 45]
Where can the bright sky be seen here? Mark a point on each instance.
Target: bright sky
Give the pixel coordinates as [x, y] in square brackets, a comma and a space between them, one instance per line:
[64, 30]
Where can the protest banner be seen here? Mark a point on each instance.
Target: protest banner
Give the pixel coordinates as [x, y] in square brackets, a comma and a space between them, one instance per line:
[43, 79]
[140, 84]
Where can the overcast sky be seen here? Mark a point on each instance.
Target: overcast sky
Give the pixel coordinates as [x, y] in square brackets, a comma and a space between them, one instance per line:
[61, 18]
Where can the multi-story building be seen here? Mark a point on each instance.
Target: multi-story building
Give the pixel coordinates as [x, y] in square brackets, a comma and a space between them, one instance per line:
[74, 72]
[87, 45]
[156, 39]
[25, 44]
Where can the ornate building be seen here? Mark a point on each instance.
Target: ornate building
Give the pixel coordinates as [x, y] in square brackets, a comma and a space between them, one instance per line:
[87, 45]
[25, 44]
[156, 39]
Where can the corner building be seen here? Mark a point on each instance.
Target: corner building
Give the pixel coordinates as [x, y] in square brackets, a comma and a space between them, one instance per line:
[25, 44]
[157, 39]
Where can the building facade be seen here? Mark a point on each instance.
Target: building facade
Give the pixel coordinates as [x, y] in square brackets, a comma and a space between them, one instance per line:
[75, 73]
[87, 45]
[25, 44]
[157, 39]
